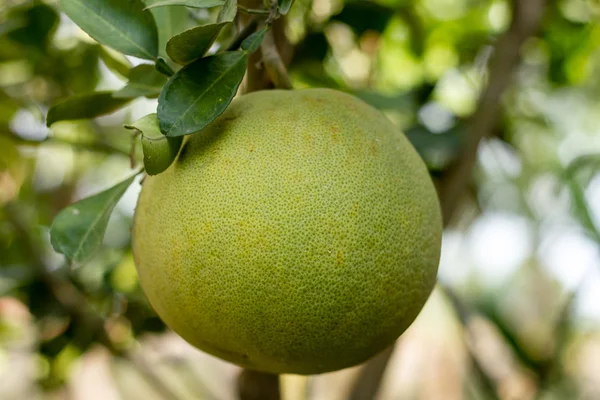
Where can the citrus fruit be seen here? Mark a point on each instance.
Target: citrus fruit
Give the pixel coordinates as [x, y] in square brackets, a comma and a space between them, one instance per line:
[299, 233]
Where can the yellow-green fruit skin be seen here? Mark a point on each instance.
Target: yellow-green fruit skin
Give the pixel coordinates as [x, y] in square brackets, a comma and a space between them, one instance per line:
[299, 233]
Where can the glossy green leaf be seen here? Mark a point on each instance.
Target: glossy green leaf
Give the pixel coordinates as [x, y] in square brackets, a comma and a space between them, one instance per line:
[200, 92]
[85, 106]
[170, 21]
[78, 230]
[115, 62]
[122, 25]
[159, 150]
[187, 3]
[252, 42]
[193, 43]
[284, 6]
[228, 11]
[144, 80]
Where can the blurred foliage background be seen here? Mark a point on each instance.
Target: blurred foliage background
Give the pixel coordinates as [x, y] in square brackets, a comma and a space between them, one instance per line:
[517, 312]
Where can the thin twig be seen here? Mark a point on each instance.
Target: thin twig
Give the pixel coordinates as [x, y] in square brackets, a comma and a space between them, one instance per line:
[465, 314]
[255, 385]
[253, 11]
[372, 376]
[562, 327]
[273, 63]
[526, 20]
[248, 30]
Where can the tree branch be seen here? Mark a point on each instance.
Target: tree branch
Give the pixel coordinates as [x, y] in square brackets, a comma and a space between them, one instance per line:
[369, 379]
[248, 30]
[464, 314]
[255, 385]
[257, 77]
[526, 19]
[273, 62]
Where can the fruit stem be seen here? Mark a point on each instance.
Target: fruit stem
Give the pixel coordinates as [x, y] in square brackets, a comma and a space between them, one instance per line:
[273, 62]
[255, 385]
[248, 30]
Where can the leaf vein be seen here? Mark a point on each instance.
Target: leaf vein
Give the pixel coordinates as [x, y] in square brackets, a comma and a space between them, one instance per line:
[113, 28]
[213, 84]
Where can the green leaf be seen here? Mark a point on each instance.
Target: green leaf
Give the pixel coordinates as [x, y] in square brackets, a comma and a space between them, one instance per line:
[115, 62]
[144, 80]
[159, 150]
[193, 43]
[163, 67]
[78, 230]
[284, 6]
[170, 22]
[187, 3]
[252, 42]
[200, 92]
[85, 106]
[120, 24]
[228, 12]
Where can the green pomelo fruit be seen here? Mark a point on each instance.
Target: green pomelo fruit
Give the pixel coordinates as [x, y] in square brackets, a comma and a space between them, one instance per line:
[299, 233]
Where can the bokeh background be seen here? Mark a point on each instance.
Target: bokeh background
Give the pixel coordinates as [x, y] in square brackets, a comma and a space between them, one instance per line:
[516, 314]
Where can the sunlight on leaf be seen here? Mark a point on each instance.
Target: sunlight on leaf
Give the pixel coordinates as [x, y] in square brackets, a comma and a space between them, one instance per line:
[193, 43]
[122, 25]
[200, 92]
[78, 230]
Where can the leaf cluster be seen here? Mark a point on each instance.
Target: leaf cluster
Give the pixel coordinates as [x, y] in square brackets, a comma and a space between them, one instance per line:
[194, 86]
